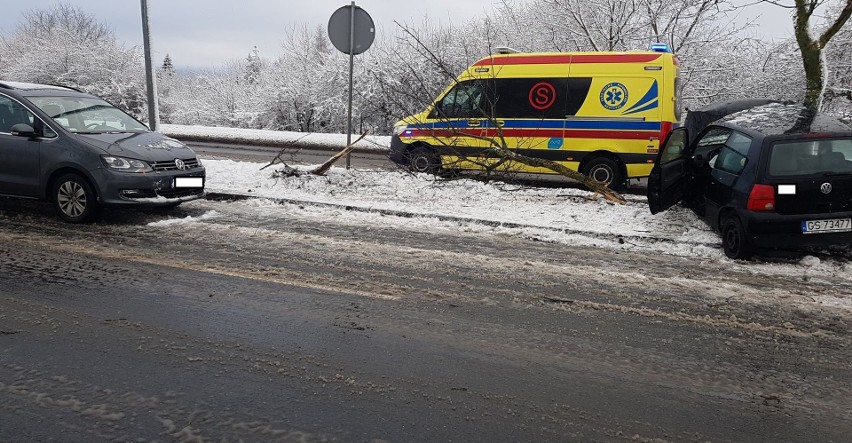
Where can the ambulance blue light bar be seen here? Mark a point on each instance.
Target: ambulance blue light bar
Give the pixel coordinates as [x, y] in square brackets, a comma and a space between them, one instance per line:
[660, 47]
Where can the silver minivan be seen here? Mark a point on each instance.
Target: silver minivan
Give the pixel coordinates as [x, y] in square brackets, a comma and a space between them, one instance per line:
[81, 153]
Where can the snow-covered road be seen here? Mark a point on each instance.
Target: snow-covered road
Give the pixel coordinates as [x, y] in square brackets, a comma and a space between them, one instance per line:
[563, 215]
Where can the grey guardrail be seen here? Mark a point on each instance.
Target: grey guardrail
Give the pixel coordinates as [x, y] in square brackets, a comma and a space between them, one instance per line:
[237, 142]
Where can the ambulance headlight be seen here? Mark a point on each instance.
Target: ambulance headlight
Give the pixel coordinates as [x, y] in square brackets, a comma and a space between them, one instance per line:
[398, 130]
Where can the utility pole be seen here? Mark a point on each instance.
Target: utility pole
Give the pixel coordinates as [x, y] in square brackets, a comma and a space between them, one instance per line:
[150, 80]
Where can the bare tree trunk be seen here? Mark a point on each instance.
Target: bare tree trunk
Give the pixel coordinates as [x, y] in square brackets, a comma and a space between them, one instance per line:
[812, 57]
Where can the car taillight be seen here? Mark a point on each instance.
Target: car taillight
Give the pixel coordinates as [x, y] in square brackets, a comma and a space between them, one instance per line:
[762, 198]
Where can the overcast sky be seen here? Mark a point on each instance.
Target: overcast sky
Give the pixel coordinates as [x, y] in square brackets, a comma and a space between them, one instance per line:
[209, 32]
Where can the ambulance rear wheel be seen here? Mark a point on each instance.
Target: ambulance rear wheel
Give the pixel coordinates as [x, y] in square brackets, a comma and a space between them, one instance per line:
[605, 170]
[424, 160]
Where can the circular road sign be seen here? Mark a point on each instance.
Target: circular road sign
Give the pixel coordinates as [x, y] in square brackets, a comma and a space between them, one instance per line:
[340, 29]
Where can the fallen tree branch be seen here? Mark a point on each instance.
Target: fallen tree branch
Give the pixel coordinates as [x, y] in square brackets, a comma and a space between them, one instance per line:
[594, 185]
[288, 145]
[323, 168]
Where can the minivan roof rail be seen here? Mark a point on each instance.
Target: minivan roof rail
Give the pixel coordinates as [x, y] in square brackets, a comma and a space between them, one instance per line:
[67, 87]
[505, 50]
[5, 84]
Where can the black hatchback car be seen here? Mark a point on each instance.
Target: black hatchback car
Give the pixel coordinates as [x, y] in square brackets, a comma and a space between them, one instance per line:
[81, 153]
[756, 185]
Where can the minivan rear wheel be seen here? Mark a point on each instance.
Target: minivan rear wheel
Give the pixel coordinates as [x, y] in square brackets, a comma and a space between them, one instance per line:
[74, 199]
[734, 239]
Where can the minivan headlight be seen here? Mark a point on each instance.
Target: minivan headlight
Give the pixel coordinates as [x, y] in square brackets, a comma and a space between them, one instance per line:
[126, 164]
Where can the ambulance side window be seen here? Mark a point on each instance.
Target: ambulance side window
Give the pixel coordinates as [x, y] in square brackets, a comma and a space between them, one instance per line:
[465, 100]
[540, 98]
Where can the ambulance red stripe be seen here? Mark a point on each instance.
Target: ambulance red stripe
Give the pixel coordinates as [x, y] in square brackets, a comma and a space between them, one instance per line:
[539, 133]
[555, 59]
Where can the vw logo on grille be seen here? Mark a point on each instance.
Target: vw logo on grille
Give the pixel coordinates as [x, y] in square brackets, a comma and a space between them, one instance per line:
[181, 165]
[826, 188]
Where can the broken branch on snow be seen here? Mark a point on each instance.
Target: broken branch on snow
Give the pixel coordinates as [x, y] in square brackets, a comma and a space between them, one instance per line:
[323, 168]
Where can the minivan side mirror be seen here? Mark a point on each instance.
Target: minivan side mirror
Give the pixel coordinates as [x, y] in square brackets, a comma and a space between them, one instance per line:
[23, 130]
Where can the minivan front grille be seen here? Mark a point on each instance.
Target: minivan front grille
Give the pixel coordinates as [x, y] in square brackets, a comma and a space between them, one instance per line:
[171, 165]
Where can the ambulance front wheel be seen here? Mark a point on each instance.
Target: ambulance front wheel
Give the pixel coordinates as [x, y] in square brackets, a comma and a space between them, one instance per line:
[605, 170]
[425, 160]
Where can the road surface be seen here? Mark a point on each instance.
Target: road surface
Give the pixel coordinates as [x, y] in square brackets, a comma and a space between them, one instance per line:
[263, 322]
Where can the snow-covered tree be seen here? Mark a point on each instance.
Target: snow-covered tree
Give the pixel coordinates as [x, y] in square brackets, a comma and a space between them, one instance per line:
[308, 85]
[65, 45]
[253, 66]
[166, 80]
[304, 87]
[168, 68]
[218, 97]
[813, 48]
[838, 92]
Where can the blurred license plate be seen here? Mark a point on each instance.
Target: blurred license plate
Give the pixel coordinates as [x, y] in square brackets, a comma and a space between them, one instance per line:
[826, 226]
[189, 182]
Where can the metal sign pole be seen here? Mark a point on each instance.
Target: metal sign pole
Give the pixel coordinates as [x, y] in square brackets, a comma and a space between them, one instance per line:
[351, 80]
[153, 111]
[353, 41]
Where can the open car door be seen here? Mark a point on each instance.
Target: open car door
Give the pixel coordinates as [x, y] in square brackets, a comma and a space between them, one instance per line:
[666, 182]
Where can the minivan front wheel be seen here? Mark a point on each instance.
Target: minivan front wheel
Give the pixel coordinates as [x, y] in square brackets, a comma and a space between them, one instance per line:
[74, 199]
[734, 239]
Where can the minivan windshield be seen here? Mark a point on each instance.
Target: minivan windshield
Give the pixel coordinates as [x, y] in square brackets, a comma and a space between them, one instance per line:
[811, 157]
[87, 115]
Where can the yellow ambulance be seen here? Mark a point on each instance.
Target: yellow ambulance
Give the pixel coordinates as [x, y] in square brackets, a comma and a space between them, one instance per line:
[600, 113]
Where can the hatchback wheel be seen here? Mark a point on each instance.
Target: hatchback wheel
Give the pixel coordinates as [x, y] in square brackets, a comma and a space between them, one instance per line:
[74, 199]
[734, 239]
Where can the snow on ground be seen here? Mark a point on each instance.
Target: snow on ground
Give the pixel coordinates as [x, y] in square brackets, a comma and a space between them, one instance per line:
[560, 210]
[377, 143]
[564, 215]
[209, 215]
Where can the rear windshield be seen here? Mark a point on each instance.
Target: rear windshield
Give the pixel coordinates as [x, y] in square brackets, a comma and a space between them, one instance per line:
[809, 157]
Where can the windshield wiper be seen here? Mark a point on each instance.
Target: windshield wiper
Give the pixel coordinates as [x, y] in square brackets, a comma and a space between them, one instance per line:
[79, 110]
[111, 130]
